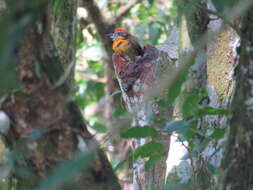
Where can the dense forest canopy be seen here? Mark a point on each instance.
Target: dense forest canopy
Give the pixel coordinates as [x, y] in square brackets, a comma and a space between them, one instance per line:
[126, 94]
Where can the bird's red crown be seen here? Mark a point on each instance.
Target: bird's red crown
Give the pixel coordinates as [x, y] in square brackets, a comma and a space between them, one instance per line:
[120, 30]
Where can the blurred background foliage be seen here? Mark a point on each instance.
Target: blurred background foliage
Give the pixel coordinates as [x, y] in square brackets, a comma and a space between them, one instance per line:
[149, 20]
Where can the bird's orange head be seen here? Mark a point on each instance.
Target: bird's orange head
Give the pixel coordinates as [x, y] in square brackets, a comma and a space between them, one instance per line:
[120, 40]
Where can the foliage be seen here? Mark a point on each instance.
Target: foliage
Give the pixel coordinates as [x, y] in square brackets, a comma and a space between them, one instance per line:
[140, 132]
[150, 22]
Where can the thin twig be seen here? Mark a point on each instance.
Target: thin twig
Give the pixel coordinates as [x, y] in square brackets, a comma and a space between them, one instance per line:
[123, 11]
[189, 152]
[221, 17]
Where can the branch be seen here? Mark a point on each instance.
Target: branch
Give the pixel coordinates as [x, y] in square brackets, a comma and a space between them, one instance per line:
[103, 27]
[222, 17]
[95, 14]
[123, 11]
[84, 22]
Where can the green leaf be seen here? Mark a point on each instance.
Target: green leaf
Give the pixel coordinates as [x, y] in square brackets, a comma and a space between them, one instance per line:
[140, 132]
[149, 150]
[218, 133]
[211, 168]
[98, 127]
[176, 186]
[185, 128]
[190, 105]
[150, 2]
[119, 112]
[180, 126]
[223, 5]
[151, 161]
[219, 5]
[175, 88]
[58, 4]
[212, 111]
[191, 101]
[177, 82]
[154, 33]
[176, 126]
[152, 150]
[9, 77]
[120, 164]
[66, 171]
[161, 103]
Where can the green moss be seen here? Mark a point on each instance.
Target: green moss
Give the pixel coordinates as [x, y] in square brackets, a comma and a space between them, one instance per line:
[219, 64]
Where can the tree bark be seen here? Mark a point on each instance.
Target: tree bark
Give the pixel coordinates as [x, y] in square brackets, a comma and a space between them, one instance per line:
[238, 156]
[45, 60]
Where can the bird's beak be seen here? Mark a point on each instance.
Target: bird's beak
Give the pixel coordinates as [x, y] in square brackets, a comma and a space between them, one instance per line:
[112, 35]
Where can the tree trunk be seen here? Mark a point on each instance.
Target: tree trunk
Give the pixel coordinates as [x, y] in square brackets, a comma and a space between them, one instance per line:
[237, 162]
[46, 106]
[197, 24]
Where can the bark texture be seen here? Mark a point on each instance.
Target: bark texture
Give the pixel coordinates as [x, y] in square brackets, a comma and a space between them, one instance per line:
[237, 162]
[45, 54]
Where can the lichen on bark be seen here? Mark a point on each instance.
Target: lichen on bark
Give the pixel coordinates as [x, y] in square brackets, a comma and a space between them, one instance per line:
[237, 163]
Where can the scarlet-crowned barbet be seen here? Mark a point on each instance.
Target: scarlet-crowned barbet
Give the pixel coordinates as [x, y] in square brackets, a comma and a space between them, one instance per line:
[131, 61]
[125, 44]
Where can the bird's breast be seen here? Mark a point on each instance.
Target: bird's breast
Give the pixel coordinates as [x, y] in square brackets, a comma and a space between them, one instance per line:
[120, 45]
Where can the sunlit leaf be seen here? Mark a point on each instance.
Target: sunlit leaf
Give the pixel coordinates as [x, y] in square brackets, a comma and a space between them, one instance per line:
[119, 112]
[212, 111]
[148, 150]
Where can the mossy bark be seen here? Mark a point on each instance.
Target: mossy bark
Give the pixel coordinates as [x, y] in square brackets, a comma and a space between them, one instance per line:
[237, 163]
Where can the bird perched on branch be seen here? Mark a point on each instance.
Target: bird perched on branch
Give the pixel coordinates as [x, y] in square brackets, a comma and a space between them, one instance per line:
[125, 44]
[131, 61]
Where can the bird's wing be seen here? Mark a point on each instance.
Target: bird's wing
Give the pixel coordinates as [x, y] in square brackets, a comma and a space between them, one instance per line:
[127, 72]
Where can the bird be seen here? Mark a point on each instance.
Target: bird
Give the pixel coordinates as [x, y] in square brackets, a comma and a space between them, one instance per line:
[125, 44]
[134, 65]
